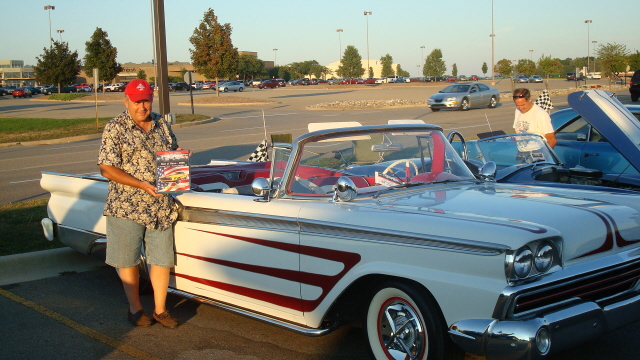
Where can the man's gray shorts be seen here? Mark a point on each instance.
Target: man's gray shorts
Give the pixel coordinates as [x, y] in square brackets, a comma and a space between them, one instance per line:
[125, 239]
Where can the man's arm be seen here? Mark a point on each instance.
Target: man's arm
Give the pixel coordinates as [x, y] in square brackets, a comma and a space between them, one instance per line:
[551, 139]
[115, 174]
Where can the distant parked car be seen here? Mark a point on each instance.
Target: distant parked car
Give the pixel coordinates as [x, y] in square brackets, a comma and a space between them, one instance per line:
[114, 87]
[571, 76]
[521, 79]
[349, 81]
[282, 82]
[34, 90]
[232, 86]
[179, 86]
[535, 79]
[463, 78]
[323, 81]
[463, 96]
[54, 90]
[594, 76]
[21, 92]
[331, 81]
[257, 82]
[474, 78]
[450, 79]
[269, 84]
[634, 86]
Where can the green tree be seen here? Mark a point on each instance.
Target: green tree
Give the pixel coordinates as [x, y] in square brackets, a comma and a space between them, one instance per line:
[303, 67]
[433, 64]
[634, 61]
[319, 71]
[57, 65]
[249, 67]
[141, 74]
[613, 58]
[526, 66]
[370, 72]
[351, 64]
[401, 72]
[549, 66]
[102, 55]
[454, 70]
[485, 68]
[387, 69]
[503, 67]
[213, 55]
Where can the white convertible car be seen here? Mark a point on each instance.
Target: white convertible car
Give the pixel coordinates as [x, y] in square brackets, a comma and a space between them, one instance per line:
[387, 225]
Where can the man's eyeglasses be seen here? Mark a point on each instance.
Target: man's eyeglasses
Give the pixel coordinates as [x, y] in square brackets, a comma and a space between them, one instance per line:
[519, 96]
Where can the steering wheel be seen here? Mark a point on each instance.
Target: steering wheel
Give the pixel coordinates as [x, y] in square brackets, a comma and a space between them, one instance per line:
[398, 162]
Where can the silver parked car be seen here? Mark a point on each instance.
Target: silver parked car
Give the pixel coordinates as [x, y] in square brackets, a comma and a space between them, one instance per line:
[535, 79]
[231, 86]
[463, 96]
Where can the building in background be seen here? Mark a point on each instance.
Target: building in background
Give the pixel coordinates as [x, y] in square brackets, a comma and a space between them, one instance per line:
[13, 72]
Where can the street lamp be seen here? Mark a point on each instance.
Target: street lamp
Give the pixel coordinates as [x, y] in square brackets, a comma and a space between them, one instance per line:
[493, 36]
[594, 55]
[339, 44]
[365, 15]
[274, 57]
[60, 32]
[531, 56]
[50, 7]
[588, 42]
[422, 48]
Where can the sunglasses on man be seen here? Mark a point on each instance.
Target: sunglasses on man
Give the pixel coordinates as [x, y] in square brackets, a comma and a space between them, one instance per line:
[519, 96]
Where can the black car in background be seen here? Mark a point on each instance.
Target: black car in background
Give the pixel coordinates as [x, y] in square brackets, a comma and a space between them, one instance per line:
[54, 90]
[634, 86]
[571, 76]
[179, 86]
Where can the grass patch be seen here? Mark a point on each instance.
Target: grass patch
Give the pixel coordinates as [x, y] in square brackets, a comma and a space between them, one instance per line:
[66, 97]
[21, 230]
[33, 129]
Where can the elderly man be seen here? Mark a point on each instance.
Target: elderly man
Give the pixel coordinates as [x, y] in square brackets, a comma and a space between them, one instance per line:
[531, 118]
[135, 212]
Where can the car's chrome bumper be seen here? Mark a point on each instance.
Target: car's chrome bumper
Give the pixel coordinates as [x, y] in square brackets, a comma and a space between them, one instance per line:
[565, 328]
[444, 104]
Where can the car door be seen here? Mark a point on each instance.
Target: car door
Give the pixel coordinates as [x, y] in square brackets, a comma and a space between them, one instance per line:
[597, 153]
[475, 95]
[241, 252]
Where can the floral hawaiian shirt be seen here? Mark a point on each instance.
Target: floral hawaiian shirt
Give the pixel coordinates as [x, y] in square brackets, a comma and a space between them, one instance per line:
[126, 146]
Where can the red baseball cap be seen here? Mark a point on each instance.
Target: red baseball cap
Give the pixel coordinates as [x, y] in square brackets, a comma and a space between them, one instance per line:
[138, 90]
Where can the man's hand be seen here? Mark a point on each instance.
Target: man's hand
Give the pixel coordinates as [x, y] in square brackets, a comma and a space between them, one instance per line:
[149, 188]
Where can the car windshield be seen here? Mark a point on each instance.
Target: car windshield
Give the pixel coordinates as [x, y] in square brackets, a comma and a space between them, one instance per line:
[375, 161]
[513, 149]
[456, 89]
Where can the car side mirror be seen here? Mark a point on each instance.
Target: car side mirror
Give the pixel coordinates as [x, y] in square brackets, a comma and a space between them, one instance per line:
[488, 171]
[344, 190]
[261, 187]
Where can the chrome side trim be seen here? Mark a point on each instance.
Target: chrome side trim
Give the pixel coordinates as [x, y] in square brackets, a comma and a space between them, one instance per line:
[335, 230]
[238, 219]
[256, 316]
[377, 235]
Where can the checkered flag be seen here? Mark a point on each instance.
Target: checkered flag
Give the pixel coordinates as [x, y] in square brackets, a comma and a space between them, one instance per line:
[261, 153]
[544, 101]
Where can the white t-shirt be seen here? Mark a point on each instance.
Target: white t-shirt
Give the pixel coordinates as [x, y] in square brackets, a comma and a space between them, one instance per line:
[535, 121]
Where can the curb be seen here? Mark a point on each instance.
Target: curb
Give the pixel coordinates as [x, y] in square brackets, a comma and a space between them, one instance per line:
[44, 264]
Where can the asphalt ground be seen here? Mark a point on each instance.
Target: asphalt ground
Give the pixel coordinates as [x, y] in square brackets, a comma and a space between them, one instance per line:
[62, 305]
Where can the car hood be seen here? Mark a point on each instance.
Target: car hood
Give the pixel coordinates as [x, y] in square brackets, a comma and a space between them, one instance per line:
[618, 125]
[592, 223]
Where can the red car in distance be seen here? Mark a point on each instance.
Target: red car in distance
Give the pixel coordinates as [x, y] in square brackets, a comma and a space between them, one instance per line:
[474, 78]
[271, 83]
[349, 81]
[21, 92]
[368, 81]
[451, 79]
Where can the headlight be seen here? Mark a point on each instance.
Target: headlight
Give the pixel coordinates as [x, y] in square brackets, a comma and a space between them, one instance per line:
[451, 99]
[543, 257]
[523, 262]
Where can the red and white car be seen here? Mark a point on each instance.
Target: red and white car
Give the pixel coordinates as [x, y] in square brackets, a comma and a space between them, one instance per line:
[385, 224]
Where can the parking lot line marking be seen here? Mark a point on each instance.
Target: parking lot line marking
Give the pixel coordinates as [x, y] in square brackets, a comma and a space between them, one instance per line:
[116, 344]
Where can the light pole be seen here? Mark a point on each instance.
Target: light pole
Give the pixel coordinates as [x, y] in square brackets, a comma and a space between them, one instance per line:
[493, 36]
[588, 44]
[60, 32]
[422, 48]
[531, 55]
[274, 57]
[365, 15]
[339, 44]
[50, 7]
[594, 55]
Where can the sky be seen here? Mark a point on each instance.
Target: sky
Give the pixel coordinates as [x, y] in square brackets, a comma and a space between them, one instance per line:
[306, 30]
